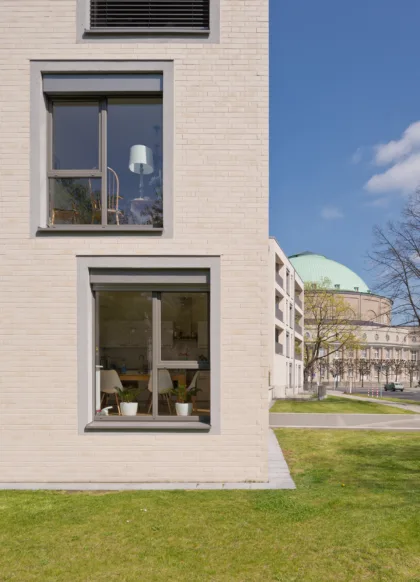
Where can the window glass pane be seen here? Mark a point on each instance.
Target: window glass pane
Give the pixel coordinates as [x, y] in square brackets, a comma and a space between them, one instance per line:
[124, 347]
[75, 136]
[185, 326]
[184, 392]
[74, 200]
[134, 150]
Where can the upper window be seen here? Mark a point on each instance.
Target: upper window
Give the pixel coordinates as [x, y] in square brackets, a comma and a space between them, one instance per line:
[105, 165]
[98, 158]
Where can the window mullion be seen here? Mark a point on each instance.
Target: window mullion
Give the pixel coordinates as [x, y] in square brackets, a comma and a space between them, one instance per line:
[103, 160]
[156, 318]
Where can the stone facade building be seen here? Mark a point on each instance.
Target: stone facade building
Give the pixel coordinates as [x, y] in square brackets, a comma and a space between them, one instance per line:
[388, 353]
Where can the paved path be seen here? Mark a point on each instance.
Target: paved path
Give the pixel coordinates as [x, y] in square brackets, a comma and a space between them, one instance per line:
[412, 407]
[345, 421]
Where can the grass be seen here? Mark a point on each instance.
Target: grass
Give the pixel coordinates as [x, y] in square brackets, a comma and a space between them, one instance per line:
[355, 516]
[335, 404]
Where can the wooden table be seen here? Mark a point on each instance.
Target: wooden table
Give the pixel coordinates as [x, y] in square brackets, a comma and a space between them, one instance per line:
[180, 378]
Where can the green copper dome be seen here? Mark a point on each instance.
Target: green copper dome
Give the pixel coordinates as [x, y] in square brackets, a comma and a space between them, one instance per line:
[313, 268]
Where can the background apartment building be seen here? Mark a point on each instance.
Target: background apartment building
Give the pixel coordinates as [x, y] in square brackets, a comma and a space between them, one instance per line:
[286, 303]
[134, 156]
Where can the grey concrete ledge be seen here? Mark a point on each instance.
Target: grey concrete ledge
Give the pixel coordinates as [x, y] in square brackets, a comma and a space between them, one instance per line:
[278, 478]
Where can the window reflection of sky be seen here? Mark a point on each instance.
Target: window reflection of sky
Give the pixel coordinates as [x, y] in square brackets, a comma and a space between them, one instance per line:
[76, 136]
[133, 121]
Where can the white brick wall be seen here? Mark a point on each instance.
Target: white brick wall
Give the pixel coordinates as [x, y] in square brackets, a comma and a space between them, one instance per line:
[220, 207]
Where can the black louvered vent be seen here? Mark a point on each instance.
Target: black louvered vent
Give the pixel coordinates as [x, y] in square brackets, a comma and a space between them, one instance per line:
[150, 14]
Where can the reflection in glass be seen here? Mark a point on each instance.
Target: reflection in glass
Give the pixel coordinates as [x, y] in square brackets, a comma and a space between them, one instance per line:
[185, 329]
[75, 136]
[134, 149]
[74, 200]
[125, 344]
[186, 387]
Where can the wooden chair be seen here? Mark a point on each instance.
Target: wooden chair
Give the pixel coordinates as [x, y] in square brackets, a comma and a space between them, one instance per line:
[113, 199]
[64, 216]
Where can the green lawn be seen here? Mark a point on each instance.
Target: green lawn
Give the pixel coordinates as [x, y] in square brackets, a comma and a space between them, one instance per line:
[335, 404]
[355, 516]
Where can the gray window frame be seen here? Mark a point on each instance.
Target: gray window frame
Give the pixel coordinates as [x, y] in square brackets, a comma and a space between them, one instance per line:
[85, 34]
[87, 421]
[41, 127]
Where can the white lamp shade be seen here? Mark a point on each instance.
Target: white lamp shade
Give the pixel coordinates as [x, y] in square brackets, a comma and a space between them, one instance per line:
[141, 160]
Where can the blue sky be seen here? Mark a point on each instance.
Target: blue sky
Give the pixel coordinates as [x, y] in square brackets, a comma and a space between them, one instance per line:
[344, 88]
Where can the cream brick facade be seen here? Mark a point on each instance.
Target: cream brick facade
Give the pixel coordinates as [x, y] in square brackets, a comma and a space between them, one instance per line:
[220, 208]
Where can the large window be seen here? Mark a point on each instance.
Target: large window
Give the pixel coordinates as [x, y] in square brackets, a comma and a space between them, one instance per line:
[105, 162]
[152, 347]
[148, 343]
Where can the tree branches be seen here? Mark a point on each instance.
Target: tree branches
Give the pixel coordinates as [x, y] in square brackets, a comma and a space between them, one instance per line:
[396, 258]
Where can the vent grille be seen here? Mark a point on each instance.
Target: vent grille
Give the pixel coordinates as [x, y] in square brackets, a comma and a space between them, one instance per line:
[151, 15]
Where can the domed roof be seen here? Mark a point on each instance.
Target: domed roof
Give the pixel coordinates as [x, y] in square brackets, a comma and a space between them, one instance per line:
[313, 268]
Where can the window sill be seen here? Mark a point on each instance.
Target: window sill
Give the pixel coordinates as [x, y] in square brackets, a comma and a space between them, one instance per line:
[98, 229]
[155, 426]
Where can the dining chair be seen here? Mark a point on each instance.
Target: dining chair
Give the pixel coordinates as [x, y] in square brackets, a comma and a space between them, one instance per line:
[165, 387]
[113, 199]
[110, 384]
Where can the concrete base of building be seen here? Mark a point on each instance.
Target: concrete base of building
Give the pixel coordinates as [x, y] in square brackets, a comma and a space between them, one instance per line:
[278, 478]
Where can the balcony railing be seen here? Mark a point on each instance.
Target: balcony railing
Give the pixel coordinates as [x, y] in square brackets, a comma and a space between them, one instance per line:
[279, 314]
[279, 280]
[298, 302]
[279, 349]
[298, 328]
[298, 357]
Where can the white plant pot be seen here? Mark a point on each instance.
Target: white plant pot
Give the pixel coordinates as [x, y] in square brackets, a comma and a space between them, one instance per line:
[129, 408]
[183, 408]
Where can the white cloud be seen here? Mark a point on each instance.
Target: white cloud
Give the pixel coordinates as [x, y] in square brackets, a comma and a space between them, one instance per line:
[403, 158]
[395, 150]
[331, 213]
[403, 177]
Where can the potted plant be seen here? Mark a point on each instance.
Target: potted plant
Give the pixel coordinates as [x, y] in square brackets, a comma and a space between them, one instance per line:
[184, 396]
[128, 404]
[183, 405]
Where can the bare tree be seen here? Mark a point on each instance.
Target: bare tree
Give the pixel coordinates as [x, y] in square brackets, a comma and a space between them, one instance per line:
[363, 366]
[337, 368]
[411, 367]
[398, 368]
[387, 367]
[378, 364]
[396, 258]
